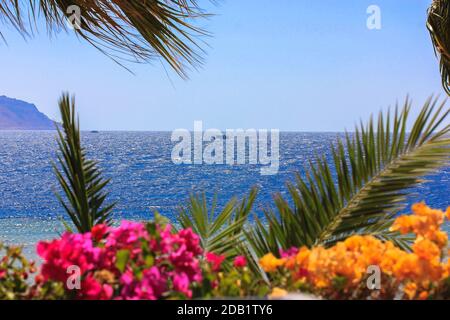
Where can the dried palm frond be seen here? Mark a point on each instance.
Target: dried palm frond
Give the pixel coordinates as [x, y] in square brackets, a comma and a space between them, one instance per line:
[438, 24]
[125, 30]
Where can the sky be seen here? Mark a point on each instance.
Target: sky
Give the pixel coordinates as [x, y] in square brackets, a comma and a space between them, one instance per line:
[293, 65]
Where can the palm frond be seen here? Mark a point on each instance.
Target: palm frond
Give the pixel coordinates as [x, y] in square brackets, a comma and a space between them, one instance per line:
[222, 232]
[374, 169]
[438, 23]
[80, 179]
[125, 30]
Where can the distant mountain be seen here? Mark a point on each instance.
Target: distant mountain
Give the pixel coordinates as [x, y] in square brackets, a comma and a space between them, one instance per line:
[20, 115]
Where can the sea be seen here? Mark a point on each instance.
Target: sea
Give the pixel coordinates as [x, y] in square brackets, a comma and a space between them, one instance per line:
[144, 178]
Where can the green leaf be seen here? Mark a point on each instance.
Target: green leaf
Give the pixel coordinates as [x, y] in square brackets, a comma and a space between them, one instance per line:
[122, 258]
[81, 181]
[376, 166]
[220, 233]
[149, 261]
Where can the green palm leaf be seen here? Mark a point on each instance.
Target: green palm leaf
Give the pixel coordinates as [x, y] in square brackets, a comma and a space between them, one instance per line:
[79, 177]
[438, 24]
[222, 232]
[125, 30]
[375, 166]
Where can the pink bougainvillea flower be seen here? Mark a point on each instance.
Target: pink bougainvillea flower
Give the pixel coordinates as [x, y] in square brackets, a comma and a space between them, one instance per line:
[289, 252]
[99, 231]
[191, 240]
[240, 262]
[127, 236]
[152, 278]
[152, 285]
[125, 262]
[181, 284]
[90, 289]
[215, 260]
[70, 250]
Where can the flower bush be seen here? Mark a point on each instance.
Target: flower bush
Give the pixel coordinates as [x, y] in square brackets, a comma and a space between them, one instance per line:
[14, 273]
[138, 261]
[132, 261]
[341, 271]
[153, 261]
[235, 281]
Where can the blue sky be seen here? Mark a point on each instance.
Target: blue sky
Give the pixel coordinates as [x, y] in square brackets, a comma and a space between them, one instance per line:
[293, 65]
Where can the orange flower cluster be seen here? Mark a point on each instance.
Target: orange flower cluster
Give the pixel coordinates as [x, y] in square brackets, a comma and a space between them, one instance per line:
[344, 267]
[425, 223]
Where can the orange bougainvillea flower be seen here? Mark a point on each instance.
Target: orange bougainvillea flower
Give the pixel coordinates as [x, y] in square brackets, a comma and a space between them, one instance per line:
[440, 238]
[302, 256]
[270, 263]
[277, 293]
[343, 267]
[403, 224]
[410, 290]
[406, 267]
[424, 222]
[423, 295]
[426, 249]
[421, 209]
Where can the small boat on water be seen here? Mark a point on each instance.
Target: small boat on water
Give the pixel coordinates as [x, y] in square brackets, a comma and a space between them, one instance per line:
[94, 131]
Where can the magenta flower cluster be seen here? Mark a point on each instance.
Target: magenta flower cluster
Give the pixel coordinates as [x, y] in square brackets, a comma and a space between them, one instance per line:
[132, 261]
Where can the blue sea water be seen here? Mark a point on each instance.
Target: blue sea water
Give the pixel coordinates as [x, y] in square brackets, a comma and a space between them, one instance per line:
[145, 179]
